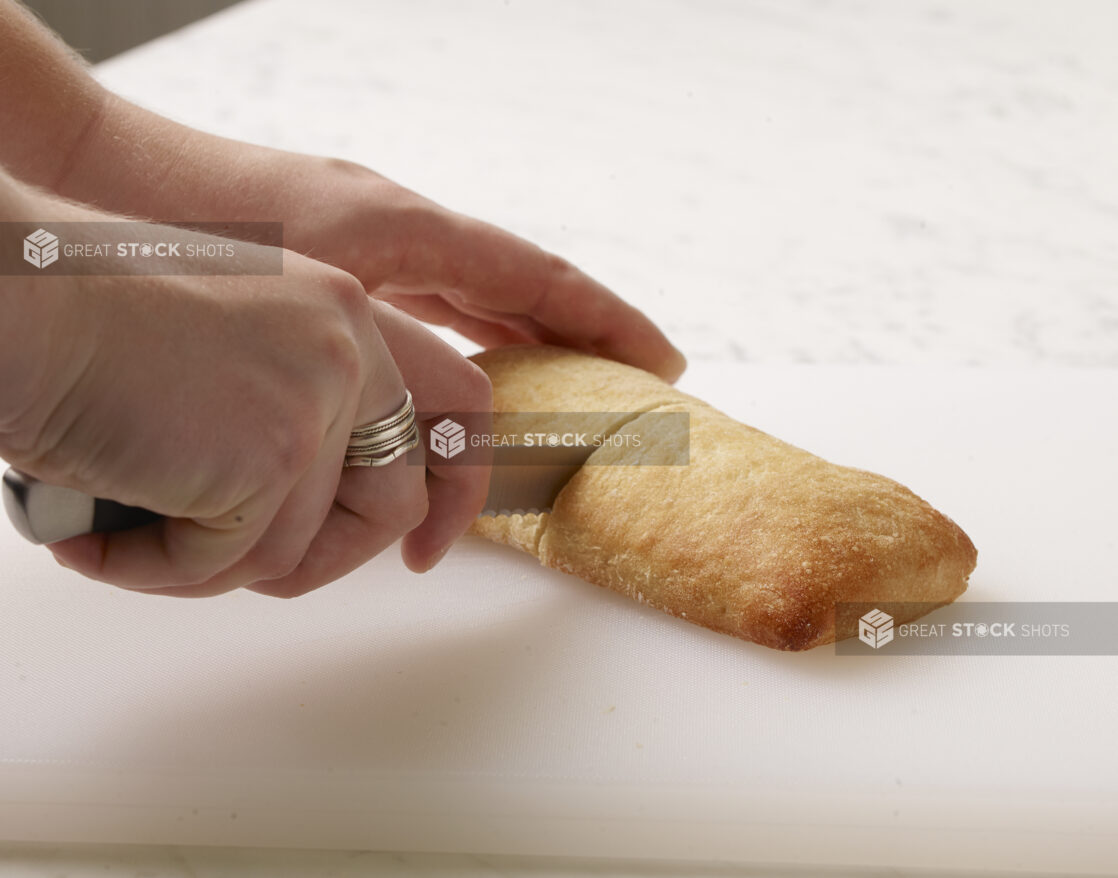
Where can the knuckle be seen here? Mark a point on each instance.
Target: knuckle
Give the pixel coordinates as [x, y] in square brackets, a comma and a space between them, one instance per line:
[346, 292]
[337, 337]
[347, 167]
[556, 264]
[341, 350]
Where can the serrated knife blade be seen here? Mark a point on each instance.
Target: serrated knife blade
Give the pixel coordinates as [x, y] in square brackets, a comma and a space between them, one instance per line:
[527, 480]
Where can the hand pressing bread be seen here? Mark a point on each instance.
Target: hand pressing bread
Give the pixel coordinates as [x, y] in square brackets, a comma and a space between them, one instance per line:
[753, 537]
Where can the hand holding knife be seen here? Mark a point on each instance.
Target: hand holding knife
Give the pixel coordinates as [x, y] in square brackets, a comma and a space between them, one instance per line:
[45, 513]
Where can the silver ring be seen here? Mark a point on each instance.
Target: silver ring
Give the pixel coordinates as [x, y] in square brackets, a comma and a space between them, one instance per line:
[380, 442]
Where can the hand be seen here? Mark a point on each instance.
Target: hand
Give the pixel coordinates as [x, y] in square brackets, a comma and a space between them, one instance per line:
[441, 381]
[439, 266]
[89, 145]
[451, 270]
[366, 516]
[226, 404]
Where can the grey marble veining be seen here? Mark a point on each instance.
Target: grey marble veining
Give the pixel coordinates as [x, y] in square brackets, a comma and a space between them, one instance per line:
[896, 182]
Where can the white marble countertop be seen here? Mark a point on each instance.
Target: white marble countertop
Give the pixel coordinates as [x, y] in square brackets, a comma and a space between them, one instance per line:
[823, 182]
[897, 182]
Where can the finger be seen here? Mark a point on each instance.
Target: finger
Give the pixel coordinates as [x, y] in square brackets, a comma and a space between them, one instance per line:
[457, 385]
[374, 507]
[369, 514]
[454, 504]
[434, 309]
[310, 542]
[527, 326]
[456, 492]
[183, 591]
[291, 532]
[495, 269]
[453, 306]
[171, 552]
[382, 393]
[263, 537]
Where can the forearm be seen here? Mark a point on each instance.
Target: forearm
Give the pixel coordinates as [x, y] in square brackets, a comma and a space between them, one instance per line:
[139, 163]
[67, 134]
[49, 104]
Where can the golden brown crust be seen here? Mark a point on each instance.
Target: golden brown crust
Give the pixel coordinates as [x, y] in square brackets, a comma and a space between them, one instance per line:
[755, 538]
[540, 378]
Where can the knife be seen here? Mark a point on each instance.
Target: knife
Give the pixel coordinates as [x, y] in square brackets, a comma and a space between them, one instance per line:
[521, 481]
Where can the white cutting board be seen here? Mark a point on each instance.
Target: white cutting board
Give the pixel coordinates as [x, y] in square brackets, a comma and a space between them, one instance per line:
[497, 707]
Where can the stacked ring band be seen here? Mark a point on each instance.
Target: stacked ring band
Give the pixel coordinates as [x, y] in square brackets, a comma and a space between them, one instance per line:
[381, 442]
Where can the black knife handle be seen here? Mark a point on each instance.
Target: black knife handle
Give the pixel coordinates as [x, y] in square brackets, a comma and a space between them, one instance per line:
[108, 515]
[45, 513]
